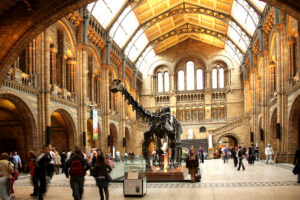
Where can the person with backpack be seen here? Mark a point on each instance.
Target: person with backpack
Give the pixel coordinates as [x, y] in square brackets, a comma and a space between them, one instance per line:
[241, 155]
[101, 173]
[6, 169]
[76, 167]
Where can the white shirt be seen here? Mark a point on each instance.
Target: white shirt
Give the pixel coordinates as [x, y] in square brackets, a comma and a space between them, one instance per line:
[52, 154]
[269, 151]
[118, 153]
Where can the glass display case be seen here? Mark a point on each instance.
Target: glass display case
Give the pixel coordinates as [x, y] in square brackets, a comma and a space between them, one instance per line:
[135, 180]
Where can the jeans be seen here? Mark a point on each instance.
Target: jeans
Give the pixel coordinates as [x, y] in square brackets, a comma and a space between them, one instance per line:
[235, 160]
[3, 189]
[43, 185]
[269, 158]
[35, 184]
[76, 183]
[241, 164]
[298, 178]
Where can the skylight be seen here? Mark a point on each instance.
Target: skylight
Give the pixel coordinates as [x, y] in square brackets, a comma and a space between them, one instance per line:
[136, 45]
[105, 10]
[124, 27]
[259, 4]
[245, 15]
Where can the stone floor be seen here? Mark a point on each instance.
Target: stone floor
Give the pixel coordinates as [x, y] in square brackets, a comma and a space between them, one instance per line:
[219, 181]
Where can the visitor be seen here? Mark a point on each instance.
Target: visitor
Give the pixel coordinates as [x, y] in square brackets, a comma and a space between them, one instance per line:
[201, 154]
[296, 169]
[256, 153]
[101, 173]
[125, 156]
[42, 162]
[269, 152]
[6, 169]
[99, 152]
[57, 162]
[225, 154]
[69, 153]
[93, 159]
[32, 168]
[50, 166]
[192, 164]
[234, 156]
[15, 176]
[76, 167]
[241, 155]
[118, 155]
[154, 158]
[17, 161]
[63, 158]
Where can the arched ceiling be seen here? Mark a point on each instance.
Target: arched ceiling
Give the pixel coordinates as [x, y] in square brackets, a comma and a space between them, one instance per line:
[148, 27]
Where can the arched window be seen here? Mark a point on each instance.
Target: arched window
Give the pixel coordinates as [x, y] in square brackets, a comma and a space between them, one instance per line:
[180, 80]
[214, 78]
[159, 82]
[190, 76]
[166, 81]
[199, 74]
[221, 78]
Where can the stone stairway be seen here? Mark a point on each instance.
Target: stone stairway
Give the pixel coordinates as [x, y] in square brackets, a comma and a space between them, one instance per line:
[227, 127]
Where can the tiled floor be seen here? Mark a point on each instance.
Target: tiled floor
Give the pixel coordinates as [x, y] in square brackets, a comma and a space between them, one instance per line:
[219, 181]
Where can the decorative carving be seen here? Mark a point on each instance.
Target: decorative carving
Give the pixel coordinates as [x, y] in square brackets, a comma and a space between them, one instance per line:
[74, 18]
[95, 39]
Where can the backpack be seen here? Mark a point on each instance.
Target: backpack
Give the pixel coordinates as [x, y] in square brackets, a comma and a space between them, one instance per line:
[76, 168]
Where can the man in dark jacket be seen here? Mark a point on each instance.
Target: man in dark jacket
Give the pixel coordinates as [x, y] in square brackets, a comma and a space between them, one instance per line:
[297, 165]
[41, 170]
[76, 167]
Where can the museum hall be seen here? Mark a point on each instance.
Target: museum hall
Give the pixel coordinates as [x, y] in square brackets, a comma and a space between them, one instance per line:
[179, 99]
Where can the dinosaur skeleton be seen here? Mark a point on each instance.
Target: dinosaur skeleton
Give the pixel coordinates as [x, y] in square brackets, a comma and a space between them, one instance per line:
[162, 124]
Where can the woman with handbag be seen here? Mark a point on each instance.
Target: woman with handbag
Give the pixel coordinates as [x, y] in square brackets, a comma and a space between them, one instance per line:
[192, 164]
[101, 173]
[6, 169]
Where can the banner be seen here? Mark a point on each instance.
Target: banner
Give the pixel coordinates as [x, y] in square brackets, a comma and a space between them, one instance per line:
[95, 124]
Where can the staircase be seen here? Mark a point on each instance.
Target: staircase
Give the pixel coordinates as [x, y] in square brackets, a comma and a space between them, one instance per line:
[227, 127]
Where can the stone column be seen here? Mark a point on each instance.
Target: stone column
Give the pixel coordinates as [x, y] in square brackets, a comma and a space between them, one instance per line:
[53, 52]
[47, 78]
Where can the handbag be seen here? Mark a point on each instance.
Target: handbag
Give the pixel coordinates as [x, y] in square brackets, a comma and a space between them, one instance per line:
[108, 177]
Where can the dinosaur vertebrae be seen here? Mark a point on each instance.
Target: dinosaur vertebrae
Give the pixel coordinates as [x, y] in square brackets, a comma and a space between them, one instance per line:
[146, 115]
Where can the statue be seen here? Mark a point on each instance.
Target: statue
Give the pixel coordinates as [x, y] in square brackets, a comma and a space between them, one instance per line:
[162, 124]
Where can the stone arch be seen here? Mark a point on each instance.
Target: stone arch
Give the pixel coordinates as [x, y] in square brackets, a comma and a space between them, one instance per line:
[19, 132]
[225, 59]
[235, 139]
[294, 126]
[157, 63]
[42, 16]
[63, 130]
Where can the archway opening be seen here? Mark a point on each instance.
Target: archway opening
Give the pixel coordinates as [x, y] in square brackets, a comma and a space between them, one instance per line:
[228, 141]
[62, 131]
[295, 125]
[113, 139]
[17, 127]
[273, 131]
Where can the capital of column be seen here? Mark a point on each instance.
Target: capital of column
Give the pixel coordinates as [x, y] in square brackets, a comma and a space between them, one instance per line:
[53, 50]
